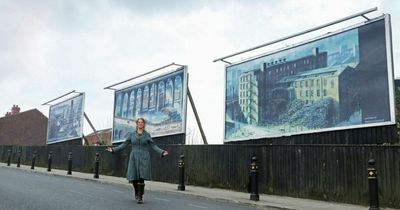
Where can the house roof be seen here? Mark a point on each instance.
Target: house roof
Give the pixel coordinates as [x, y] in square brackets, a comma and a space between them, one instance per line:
[25, 128]
[104, 135]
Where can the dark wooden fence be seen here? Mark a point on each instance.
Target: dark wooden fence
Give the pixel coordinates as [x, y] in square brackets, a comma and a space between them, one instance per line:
[368, 135]
[323, 172]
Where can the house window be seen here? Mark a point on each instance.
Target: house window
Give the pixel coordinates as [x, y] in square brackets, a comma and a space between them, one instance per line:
[325, 92]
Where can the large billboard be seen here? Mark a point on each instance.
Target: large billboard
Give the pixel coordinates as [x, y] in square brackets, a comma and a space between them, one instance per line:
[66, 120]
[161, 101]
[338, 81]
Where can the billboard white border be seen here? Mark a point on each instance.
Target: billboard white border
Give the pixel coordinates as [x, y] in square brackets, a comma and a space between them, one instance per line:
[83, 110]
[184, 97]
[390, 72]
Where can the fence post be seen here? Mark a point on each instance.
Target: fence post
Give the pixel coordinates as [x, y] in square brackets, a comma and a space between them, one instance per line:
[69, 163]
[254, 179]
[9, 157]
[19, 159]
[49, 161]
[96, 166]
[33, 160]
[181, 166]
[373, 186]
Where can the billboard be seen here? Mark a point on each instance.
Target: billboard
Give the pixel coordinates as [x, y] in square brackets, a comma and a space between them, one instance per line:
[66, 120]
[161, 101]
[339, 81]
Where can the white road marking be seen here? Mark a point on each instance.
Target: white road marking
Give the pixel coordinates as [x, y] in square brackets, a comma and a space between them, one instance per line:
[162, 199]
[117, 191]
[202, 207]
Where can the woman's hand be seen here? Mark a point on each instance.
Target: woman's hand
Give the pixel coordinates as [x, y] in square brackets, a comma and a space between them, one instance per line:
[109, 149]
[165, 153]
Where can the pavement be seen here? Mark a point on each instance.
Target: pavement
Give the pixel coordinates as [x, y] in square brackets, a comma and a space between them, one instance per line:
[270, 202]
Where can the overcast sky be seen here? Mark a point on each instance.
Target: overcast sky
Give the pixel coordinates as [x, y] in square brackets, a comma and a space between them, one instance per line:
[48, 48]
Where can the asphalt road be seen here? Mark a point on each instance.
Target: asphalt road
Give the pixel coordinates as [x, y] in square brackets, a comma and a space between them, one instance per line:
[28, 190]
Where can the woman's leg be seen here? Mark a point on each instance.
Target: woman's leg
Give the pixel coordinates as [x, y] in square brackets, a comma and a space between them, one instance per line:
[135, 187]
[141, 191]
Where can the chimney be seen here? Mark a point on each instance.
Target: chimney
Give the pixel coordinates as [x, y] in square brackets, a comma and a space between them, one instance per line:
[14, 110]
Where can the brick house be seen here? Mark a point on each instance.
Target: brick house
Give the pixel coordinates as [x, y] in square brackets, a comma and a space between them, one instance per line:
[26, 128]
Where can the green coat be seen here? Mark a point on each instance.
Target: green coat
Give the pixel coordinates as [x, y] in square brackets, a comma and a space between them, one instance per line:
[139, 158]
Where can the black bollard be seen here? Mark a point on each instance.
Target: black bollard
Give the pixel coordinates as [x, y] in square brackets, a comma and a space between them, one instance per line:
[19, 159]
[254, 179]
[373, 186]
[96, 166]
[69, 163]
[49, 161]
[33, 160]
[9, 157]
[181, 166]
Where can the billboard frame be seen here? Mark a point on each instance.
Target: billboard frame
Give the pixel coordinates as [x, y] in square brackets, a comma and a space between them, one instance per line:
[183, 68]
[389, 70]
[82, 118]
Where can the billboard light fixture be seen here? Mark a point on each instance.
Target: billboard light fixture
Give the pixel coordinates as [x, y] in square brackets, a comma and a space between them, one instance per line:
[152, 71]
[74, 91]
[362, 14]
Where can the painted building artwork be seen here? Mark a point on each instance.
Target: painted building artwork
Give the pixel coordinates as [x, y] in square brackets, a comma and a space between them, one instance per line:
[66, 120]
[336, 82]
[160, 101]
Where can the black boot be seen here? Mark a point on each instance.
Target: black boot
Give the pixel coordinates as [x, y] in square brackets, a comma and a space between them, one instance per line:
[135, 186]
[140, 193]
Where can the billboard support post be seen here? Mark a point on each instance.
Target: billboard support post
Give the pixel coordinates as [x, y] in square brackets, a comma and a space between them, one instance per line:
[196, 116]
[94, 130]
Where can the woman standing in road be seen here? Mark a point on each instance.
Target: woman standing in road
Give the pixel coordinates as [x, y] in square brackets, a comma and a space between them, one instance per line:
[139, 159]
